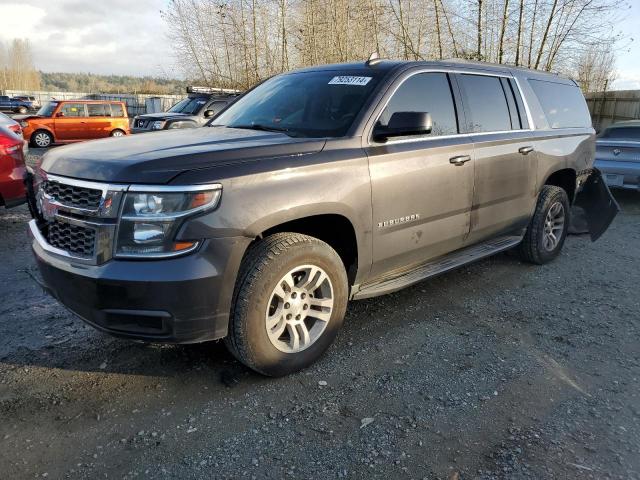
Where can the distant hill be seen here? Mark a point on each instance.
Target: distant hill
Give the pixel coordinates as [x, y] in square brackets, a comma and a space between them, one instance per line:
[92, 83]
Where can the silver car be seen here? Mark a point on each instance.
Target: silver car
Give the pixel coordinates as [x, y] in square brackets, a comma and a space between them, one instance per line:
[618, 155]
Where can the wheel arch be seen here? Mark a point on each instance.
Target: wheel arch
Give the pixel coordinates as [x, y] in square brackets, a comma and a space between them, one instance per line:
[564, 178]
[43, 128]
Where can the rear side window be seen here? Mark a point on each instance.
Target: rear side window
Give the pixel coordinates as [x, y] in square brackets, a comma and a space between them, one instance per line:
[98, 110]
[116, 110]
[485, 104]
[563, 105]
[425, 92]
[73, 110]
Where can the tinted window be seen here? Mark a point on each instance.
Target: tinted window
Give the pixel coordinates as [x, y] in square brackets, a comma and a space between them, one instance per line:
[73, 110]
[563, 105]
[485, 104]
[98, 110]
[622, 133]
[305, 104]
[425, 92]
[116, 110]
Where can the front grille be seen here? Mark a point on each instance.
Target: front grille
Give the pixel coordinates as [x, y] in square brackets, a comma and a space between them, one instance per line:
[73, 196]
[71, 238]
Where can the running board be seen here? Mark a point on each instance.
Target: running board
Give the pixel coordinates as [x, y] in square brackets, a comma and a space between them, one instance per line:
[436, 267]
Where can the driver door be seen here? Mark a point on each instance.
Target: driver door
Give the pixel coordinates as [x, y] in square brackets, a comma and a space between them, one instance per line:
[70, 122]
[422, 186]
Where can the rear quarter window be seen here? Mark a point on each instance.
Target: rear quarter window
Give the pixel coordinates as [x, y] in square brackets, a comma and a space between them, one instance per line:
[563, 105]
[117, 110]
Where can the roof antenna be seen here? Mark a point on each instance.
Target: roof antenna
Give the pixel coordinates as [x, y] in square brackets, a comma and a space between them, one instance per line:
[374, 59]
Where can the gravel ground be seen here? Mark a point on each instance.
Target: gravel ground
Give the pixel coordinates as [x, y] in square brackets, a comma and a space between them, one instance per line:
[500, 370]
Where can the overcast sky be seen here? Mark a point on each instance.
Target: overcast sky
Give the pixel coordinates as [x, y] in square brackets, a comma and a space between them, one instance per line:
[129, 37]
[125, 37]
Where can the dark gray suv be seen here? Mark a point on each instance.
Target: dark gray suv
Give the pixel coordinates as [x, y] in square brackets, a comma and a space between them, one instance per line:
[318, 186]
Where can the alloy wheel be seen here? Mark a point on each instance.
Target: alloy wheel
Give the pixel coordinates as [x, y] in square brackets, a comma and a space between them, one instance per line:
[553, 227]
[299, 308]
[42, 140]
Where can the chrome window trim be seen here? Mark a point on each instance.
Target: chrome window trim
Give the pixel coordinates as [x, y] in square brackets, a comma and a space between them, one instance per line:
[138, 188]
[373, 143]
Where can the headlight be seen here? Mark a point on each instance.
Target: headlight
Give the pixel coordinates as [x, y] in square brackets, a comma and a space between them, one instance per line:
[157, 125]
[24, 124]
[150, 220]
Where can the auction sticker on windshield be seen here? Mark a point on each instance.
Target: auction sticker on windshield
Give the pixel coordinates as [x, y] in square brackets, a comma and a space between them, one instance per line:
[348, 80]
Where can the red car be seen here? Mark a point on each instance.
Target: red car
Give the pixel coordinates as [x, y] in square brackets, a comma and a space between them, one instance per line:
[12, 169]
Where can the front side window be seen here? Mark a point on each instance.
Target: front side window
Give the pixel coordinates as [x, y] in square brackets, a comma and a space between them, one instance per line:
[73, 110]
[314, 104]
[485, 104]
[425, 92]
[98, 110]
[563, 104]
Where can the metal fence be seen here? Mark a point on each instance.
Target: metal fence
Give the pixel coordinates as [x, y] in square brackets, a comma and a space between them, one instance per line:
[615, 106]
[136, 103]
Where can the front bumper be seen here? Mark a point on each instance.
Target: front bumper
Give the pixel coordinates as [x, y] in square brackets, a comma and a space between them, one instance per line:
[179, 300]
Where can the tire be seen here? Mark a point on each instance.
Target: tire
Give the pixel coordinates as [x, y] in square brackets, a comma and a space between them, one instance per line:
[538, 246]
[117, 133]
[264, 296]
[22, 110]
[41, 139]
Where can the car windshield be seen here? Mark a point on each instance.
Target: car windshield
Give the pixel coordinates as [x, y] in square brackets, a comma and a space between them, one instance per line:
[305, 104]
[622, 133]
[47, 109]
[190, 106]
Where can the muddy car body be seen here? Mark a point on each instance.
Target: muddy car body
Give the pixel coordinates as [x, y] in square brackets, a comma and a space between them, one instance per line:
[340, 182]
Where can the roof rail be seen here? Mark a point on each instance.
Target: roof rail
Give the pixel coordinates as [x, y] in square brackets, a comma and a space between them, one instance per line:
[212, 90]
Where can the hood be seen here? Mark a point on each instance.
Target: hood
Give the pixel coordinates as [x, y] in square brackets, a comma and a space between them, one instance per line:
[160, 157]
[19, 118]
[151, 116]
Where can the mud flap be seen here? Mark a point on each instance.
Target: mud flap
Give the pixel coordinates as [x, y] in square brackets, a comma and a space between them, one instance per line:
[597, 204]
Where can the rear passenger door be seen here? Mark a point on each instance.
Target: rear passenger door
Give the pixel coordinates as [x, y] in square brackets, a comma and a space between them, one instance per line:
[421, 199]
[504, 155]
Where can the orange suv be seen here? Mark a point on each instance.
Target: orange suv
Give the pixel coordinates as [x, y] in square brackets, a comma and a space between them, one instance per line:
[66, 121]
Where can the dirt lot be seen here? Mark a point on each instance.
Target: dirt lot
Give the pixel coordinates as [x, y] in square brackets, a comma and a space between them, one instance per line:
[498, 370]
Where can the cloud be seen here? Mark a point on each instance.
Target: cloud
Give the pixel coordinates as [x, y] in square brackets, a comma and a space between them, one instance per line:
[126, 37]
[627, 80]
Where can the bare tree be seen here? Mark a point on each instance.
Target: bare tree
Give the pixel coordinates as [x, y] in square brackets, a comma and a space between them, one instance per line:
[17, 71]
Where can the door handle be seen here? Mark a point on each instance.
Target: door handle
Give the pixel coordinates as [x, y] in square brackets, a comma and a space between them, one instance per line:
[459, 160]
[525, 150]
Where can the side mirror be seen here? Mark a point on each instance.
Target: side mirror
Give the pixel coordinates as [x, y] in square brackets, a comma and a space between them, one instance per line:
[209, 113]
[60, 114]
[404, 124]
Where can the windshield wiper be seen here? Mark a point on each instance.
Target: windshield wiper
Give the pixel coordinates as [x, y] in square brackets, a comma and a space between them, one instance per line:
[264, 128]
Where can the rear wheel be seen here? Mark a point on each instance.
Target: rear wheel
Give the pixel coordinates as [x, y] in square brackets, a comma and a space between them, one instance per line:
[22, 110]
[289, 304]
[41, 139]
[547, 230]
[117, 133]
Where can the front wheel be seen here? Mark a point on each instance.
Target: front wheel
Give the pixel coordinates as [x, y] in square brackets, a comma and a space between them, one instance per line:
[41, 139]
[117, 133]
[289, 303]
[547, 230]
